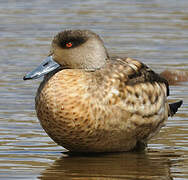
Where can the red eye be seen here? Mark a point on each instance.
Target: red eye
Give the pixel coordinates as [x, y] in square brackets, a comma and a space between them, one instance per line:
[69, 45]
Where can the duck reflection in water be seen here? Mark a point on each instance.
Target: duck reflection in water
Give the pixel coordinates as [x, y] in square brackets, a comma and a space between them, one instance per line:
[152, 166]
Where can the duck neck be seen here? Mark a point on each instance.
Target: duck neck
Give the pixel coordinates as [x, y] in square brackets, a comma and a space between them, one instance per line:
[94, 54]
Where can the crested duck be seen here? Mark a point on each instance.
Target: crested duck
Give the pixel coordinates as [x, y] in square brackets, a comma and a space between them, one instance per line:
[89, 102]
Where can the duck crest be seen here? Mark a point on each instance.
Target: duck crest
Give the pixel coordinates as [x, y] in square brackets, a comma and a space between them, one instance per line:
[62, 38]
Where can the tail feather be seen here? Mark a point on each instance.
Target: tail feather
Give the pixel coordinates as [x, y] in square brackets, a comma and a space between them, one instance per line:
[174, 107]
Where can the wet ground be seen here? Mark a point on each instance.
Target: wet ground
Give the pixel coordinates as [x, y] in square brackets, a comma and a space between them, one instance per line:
[155, 31]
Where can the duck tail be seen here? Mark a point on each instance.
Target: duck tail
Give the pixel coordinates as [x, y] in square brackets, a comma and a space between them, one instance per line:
[174, 107]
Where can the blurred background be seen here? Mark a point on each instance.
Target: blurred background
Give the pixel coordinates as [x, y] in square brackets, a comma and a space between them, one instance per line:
[153, 31]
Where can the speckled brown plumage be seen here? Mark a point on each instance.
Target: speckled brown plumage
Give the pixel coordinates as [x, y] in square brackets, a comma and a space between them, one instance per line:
[102, 110]
[107, 109]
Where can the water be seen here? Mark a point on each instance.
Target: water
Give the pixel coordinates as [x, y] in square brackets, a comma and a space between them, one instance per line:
[155, 32]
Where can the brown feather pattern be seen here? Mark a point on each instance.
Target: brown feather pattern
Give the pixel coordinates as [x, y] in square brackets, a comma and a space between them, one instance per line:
[106, 110]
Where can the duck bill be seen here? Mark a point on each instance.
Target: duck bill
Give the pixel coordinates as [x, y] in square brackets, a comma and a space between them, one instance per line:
[45, 67]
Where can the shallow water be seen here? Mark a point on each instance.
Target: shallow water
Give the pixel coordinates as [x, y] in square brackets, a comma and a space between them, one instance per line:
[154, 31]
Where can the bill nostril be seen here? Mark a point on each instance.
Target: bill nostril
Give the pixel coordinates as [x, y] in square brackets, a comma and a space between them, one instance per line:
[45, 64]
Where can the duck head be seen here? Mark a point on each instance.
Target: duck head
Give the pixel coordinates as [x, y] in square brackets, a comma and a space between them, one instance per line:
[72, 49]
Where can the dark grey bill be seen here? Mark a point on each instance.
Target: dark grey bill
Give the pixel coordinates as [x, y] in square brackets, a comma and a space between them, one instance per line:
[45, 67]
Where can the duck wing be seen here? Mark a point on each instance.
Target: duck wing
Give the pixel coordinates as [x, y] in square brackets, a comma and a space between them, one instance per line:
[142, 90]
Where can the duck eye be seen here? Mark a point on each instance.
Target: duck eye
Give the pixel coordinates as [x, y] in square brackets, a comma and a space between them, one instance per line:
[69, 44]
